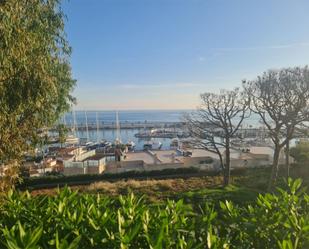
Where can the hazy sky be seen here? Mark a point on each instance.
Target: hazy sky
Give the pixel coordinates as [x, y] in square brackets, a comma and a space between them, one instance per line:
[161, 54]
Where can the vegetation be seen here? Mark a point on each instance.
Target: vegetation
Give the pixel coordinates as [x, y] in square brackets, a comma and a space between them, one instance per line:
[245, 185]
[300, 152]
[280, 98]
[50, 181]
[35, 75]
[71, 220]
[62, 133]
[61, 179]
[153, 189]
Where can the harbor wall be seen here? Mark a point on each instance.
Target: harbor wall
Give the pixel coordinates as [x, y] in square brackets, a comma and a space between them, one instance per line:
[139, 165]
[84, 170]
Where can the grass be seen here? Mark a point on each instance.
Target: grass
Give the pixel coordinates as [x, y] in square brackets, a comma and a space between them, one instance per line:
[192, 190]
[238, 194]
[245, 187]
[154, 190]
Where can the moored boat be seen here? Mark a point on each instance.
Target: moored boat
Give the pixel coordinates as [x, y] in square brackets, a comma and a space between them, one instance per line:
[130, 145]
[152, 145]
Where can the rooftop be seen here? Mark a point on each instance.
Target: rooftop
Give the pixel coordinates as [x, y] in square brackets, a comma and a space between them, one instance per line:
[139, 156]
[95, 157]
[165, 156]
[203, 153]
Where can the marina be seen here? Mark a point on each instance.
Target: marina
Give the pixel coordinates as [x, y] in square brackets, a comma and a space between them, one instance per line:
[123, 143]
[131, 127]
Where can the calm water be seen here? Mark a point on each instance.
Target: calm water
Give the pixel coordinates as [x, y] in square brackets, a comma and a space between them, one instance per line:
[125, 116]
[109, 117]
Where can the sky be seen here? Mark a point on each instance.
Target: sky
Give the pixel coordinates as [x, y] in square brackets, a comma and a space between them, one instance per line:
[161, 54]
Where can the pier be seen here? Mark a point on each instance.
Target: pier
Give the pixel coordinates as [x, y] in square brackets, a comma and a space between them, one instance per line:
[126, 125]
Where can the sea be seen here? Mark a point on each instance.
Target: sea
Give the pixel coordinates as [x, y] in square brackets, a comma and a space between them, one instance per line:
[126, 116]
[132, 116]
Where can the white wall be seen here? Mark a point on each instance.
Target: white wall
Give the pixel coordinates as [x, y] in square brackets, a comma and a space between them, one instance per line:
[83, 156]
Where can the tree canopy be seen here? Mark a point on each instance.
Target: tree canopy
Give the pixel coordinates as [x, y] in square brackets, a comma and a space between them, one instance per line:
[281, 99]
[35, 74]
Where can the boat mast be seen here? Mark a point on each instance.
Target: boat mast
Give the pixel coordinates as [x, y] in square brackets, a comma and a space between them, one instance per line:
[97, 121]
[87, 132]
[117, 128]
[74, 123]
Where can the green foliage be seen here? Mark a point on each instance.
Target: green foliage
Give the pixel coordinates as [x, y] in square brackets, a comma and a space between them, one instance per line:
[272, 221]
[62, 133]
[300, 152]
[35, 75]
[73, 220]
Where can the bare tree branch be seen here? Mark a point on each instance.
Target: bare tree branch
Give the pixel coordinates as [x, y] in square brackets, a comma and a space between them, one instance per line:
[216, 122]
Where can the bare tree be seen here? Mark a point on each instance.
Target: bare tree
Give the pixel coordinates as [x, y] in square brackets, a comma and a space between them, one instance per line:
[216, 121]
[280, 98]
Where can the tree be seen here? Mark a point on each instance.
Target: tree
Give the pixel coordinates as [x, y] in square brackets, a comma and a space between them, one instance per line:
[280, 98]
[35, 74]
[62, 133]
[216, 122]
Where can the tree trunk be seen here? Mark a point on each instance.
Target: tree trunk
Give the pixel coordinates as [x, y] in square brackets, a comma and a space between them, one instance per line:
[222, 164]
[274, 169]
[227, 171]
[287, 158]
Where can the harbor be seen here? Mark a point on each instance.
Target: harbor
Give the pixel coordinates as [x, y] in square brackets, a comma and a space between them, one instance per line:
[120, 144]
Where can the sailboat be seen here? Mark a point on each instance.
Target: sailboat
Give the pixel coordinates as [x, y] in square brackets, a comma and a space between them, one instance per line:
[98, 144]
[97, 123]
[72, 139]
[86, 141]
[118, 136]
[95, 145]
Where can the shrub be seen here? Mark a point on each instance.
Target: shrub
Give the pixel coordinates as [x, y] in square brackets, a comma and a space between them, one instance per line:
[300, 152]
[208, 160]
[61, 179]
[73, 220]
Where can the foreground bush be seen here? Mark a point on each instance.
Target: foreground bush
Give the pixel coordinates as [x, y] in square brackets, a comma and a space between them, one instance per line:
[73, 220]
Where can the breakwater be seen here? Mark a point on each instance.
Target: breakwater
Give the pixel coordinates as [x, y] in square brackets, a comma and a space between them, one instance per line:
[125, 125]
